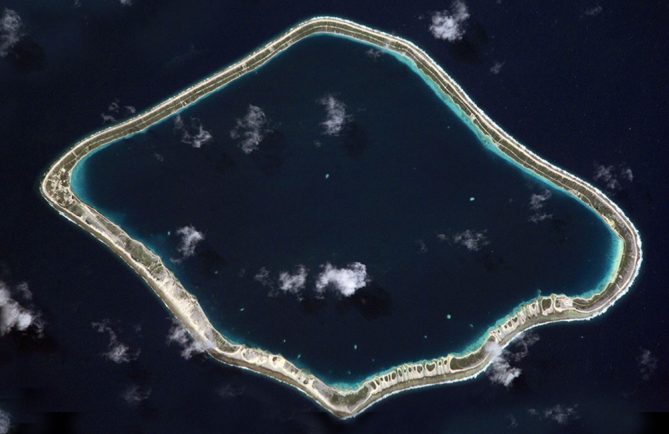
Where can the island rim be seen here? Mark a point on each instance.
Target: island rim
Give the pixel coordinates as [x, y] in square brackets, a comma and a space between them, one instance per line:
[343, 402]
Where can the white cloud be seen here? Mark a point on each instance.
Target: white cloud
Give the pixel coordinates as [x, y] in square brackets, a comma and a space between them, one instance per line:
[500, 370]
[262, 277]
[558, 413]
[422, 246]
[496, 68]
[15, 316]
[627, 174]
[335, 115]
[647, 364]
[373, 53]
[251, 129]
[189, 345]
[471, 240]
[449, 25]
[10, 30]
[561, 414]
[612, 175]
[115, 109]
[117, 351]
[193, 134]
[229, 391]
[293, 283]
[24, 291]
[126, 2]
[189, 238]
[606, 174]
[5, 422]
[522, 345]
[513, 422]
[346, 280]
[135, 394]
[537, 200]
[107, 118]
[593, 11]
[537, 205]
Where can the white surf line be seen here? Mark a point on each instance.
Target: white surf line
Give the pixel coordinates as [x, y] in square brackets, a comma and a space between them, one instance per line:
[343, 402]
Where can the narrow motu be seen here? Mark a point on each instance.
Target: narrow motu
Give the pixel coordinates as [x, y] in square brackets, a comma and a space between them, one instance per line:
[340, 401]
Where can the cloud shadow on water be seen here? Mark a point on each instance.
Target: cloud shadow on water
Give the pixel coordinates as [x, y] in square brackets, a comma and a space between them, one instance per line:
[27, 56]
[372, 301]
[272, 152]
[356, 139]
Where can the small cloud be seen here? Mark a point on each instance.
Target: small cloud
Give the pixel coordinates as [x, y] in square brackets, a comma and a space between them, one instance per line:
[593, 11]
[522, 345]
[126, 2]
[612, 176]
[345, 280]
[558, 413]
[471, 240]
[422, 247]
[449, 24]
[189, 345]
[262, 277]
[134, 395]
[513, 422]
[5, 422]
[107, 118]
[114, 110]
[24, 291]
[374, 53]
[647, 364]
[192, 134]
[537, 205]
[606, 174]
[500, 370]
[627, 174]
[114, 106]
[14, 315]
[10, 30]
[117, 352]
[251, 129]
[537, 200]
[293, 283]
[496, 68]
[561, 414]
[229, 391]
[336, 116]
[189, 238]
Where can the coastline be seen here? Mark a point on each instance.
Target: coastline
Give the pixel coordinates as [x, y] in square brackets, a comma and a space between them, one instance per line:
[342, 401]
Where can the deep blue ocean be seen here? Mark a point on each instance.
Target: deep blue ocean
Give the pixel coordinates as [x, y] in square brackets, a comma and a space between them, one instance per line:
[585, 87]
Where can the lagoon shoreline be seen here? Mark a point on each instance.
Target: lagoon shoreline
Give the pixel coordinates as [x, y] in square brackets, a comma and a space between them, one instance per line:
[346, 402]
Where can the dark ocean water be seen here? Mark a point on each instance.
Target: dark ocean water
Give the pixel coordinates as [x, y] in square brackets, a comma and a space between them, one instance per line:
[581, 90]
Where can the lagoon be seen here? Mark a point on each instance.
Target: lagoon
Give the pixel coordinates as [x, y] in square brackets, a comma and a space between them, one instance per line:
[398, 189]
